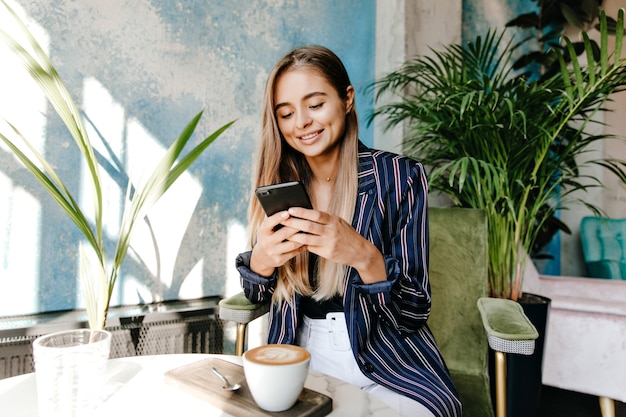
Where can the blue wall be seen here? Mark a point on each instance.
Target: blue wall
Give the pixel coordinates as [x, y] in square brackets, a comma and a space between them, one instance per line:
[479, 16]
[141, 70]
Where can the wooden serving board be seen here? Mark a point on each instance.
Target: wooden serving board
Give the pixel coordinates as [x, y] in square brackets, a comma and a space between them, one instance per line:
[198, 379]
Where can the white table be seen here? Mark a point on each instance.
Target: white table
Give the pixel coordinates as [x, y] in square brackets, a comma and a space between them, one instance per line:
[136, 386]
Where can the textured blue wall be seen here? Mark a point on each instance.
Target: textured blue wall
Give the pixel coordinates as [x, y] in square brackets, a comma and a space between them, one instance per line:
[479, 16]
[141, 70]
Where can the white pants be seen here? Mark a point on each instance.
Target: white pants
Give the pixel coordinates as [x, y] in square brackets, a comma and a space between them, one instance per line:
[327, 341]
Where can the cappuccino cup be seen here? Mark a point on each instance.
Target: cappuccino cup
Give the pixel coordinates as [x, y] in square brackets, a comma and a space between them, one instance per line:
[275, 375]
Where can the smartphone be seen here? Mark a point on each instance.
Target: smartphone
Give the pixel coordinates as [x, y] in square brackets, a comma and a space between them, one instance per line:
[279, 197]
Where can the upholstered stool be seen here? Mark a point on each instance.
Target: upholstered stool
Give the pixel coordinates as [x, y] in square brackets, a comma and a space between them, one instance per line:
[240, 310]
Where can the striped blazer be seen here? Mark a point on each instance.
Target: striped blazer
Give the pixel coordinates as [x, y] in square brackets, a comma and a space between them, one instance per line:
[390, 339]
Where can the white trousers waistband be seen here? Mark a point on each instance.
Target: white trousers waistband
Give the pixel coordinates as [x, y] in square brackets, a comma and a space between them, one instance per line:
[330, 333]
[328, 342]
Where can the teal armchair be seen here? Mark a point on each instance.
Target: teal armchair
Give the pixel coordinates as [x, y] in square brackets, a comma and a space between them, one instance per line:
[604, 247]
[464, 320]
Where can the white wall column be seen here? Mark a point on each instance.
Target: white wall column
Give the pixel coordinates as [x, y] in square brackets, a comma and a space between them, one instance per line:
[405, 28]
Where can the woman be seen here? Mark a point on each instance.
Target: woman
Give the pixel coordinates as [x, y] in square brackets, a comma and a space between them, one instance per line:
[353, 288]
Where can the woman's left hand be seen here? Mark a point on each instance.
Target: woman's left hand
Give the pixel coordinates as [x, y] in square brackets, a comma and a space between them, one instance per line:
[332, 238]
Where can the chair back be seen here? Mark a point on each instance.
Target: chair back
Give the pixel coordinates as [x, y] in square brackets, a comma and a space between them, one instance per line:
[458, 278]
[604, 247]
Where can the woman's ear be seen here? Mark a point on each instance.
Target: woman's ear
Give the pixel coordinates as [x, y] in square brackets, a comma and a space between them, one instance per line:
[349, 99]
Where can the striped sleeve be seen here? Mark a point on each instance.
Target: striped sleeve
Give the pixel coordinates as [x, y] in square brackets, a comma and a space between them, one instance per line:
[400, 230]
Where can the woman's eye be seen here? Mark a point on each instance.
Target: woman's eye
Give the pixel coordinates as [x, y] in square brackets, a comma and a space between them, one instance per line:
[316, 106]
[285, 115]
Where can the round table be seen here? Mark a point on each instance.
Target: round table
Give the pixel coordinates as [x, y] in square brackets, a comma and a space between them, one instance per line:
[136, 386]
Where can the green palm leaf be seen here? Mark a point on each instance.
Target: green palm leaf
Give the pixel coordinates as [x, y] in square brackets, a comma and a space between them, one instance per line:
[504, 144]
[97, 283]
[43, 72]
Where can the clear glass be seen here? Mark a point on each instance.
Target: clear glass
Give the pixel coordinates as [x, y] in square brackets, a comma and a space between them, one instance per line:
[70, 369]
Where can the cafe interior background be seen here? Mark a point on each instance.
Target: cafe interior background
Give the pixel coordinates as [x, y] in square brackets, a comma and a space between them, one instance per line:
[140, 70]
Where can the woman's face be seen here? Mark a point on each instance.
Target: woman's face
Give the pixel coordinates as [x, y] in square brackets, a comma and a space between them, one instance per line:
[310, 114]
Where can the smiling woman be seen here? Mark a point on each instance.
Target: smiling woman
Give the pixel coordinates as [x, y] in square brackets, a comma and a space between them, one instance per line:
[353, 289]
[312, 117]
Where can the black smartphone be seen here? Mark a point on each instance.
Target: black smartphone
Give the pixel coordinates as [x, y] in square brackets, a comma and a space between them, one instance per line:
[279, 197]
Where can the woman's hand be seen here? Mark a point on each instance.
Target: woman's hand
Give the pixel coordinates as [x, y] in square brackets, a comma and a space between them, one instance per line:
[332, 238]
[273, 247]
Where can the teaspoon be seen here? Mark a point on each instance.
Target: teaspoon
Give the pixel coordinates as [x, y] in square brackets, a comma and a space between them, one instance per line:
[227, 385]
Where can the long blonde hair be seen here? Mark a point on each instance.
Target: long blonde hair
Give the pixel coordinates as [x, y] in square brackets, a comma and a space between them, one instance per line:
[277, 162]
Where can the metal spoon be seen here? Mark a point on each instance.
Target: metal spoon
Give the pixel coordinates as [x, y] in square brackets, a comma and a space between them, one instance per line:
[227, 385]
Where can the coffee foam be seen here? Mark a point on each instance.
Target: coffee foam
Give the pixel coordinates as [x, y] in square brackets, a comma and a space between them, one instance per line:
[277, 354]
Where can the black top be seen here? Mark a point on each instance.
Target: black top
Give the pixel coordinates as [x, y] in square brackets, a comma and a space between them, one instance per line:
[318, 309]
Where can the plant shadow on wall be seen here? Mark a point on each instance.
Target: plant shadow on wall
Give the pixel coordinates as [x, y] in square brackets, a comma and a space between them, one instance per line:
[550, 21]
[98, 273]
[506, 144]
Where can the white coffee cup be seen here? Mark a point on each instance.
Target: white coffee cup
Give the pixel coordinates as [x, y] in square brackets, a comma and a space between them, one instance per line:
[275, 375]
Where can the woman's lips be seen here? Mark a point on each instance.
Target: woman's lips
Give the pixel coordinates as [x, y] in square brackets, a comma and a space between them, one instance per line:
[309, 137]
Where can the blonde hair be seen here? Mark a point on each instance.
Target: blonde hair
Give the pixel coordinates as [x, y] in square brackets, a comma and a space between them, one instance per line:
[277, 162]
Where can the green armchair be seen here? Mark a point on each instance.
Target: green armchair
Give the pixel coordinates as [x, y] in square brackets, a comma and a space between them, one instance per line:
[464, 320]
[458, 279]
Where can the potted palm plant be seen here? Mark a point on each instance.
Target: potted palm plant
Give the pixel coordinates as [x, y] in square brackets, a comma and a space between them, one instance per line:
[70, 366]
[504, 143]
[98, 275]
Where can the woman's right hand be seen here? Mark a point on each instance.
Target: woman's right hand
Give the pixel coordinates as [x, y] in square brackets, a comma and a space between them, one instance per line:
[273, 247]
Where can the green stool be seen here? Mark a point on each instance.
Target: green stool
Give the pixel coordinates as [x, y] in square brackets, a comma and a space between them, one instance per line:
[240, 310]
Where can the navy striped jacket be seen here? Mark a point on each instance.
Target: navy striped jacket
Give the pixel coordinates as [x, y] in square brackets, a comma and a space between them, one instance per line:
[386, 320]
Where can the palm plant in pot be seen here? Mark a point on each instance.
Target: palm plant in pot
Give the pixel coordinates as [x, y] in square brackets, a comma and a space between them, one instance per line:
[508, 145]
[501, 143]
[70, 366]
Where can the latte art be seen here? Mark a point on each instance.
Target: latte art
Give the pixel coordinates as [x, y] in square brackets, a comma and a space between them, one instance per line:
[277, 354]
